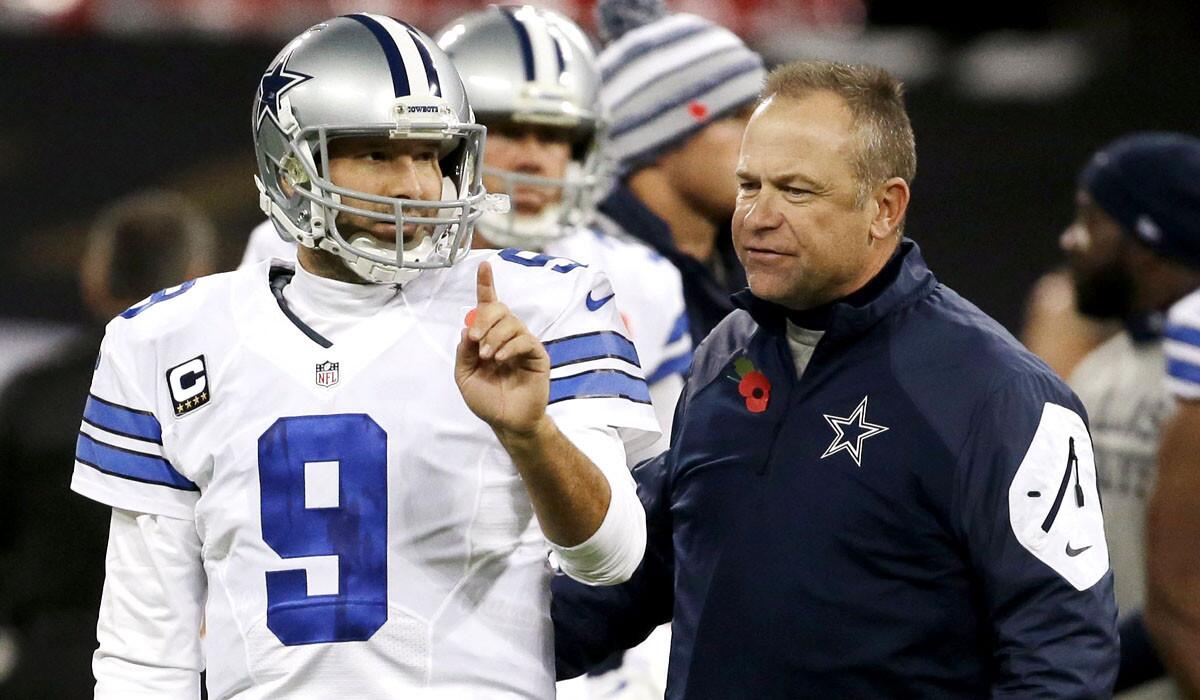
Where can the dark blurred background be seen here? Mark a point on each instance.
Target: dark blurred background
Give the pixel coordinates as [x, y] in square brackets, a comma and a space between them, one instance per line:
[104, 97]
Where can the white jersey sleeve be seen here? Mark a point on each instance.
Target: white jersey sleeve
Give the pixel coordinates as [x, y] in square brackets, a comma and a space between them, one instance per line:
[265, 243]
[651, 305]
[596, 377]
[1182, 347]
[597, 392]
[120, 459]
[667, 323]
[649, 297]
[151, 610]
[614, 551]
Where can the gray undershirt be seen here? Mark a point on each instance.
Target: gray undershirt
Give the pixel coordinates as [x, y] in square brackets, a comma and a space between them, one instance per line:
[802, 342]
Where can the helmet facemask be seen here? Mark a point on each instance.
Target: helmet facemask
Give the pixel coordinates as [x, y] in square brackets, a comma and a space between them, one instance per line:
[530, 69]
[393, 84]
[578, 191]
[446, 224]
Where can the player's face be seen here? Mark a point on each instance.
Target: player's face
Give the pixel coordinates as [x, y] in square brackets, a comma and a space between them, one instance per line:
[699, 169]
[527, 150]
[797, 228]
[1098, 256]
[401, 168]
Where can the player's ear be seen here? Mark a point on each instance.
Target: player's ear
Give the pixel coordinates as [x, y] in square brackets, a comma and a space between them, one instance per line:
[891, 200]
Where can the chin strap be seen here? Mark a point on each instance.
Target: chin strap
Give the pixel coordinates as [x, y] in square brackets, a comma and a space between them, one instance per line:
[505, 227]
[320, 221]
[380, 274]
[385, 274]
[531, 231]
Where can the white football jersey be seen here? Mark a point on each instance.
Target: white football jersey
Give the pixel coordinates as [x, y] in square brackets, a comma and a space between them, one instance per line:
[363, 534]
[265, 244]
[1182, 347]
[649, 296]
[1121, 384]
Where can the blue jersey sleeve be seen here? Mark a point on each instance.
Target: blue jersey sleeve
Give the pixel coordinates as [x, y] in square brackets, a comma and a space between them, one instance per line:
[1028, 510]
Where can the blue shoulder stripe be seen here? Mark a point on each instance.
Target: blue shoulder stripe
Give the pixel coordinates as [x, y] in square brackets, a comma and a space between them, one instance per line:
[591, 346]
[1177, 369]
[122, 420]
[128, 464]
[675, 365]
[160, 295]
[680, 328]
[1184, 334]
[598, 384]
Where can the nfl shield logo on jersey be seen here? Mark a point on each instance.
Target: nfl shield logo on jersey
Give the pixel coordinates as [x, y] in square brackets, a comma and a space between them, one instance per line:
[327, 373]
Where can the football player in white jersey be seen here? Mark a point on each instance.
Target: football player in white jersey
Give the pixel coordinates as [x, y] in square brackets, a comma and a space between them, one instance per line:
[323, 485]
[532, 79]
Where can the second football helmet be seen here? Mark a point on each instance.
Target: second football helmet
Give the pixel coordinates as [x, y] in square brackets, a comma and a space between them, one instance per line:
[367, 75]
[525, 66]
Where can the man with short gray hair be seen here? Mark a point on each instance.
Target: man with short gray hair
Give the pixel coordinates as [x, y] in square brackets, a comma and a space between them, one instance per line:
[872, 489]
[885, 146]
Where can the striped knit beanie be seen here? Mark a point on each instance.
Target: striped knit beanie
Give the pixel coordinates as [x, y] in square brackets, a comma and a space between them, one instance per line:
[666, 76]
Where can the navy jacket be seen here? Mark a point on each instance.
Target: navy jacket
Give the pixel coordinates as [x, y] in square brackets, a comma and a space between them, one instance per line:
[851, 533]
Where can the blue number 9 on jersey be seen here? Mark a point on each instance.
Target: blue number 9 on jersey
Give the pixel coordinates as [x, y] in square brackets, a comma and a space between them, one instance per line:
[324, 492]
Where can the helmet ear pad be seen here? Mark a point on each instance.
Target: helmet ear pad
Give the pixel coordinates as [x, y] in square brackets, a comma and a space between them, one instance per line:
[291, 176]
[452, 164]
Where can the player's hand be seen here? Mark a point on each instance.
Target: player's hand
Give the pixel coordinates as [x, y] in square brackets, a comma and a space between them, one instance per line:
[501, 368]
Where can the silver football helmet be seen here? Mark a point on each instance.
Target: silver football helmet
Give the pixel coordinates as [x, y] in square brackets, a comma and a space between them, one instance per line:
[367, 75]
[525, 66]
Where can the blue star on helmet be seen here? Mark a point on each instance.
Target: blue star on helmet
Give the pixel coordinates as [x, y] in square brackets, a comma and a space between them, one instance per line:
[273, 85]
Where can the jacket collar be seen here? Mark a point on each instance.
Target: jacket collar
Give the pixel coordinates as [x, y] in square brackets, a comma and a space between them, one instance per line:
[622, 206]
[903, 280]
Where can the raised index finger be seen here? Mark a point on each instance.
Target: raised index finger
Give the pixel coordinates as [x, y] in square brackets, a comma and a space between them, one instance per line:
[485, 285]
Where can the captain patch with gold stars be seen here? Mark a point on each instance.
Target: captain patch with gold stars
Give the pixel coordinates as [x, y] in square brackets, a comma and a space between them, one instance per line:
[188, 384]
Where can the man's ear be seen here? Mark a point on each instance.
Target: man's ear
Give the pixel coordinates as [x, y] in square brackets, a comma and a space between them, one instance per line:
[891, 200]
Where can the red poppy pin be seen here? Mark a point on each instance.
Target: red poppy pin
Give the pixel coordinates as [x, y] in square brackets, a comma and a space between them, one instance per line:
[752, 384]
